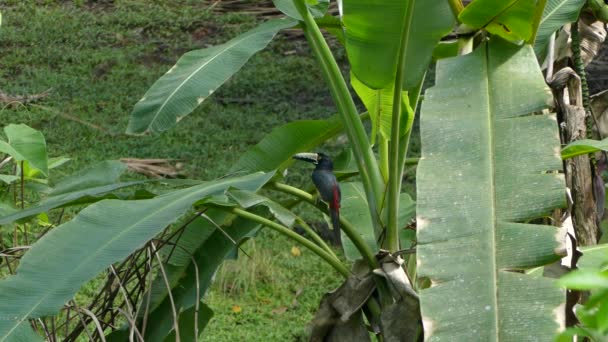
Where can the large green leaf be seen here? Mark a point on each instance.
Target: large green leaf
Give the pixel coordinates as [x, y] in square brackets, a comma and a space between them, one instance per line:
[58, 264]
[373, 32]
[196, 76]
[510, 19]
[557, 13]
[379, 104]
[585, 146]
[489, 163]
[26, 144]
[275, 151]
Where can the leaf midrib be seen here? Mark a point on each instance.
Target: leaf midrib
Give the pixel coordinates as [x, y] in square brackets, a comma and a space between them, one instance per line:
[492, 151]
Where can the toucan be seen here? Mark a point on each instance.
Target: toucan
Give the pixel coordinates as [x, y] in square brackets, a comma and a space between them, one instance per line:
[326, 183]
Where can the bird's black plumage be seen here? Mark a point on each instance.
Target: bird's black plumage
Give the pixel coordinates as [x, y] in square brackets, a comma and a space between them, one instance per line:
[329, 189]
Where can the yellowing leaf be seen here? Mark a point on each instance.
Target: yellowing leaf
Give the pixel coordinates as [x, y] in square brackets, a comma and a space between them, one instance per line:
[295, 251]
[236, 309]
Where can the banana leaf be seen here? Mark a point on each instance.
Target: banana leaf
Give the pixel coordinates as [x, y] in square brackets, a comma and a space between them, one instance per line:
[489, 165]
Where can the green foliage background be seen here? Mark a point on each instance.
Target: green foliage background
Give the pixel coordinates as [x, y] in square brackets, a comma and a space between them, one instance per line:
[99, 57]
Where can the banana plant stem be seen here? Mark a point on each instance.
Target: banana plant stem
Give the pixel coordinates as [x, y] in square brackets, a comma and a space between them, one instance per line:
[456, 6]
[333, 261]
[414, 95]
[394, 177]
[366, 162]
[346, 226]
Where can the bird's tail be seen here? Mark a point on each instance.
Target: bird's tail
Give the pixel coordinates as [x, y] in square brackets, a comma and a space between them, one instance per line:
[335, 222]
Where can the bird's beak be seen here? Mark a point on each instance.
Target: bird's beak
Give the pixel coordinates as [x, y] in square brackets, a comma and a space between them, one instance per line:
[308, 157]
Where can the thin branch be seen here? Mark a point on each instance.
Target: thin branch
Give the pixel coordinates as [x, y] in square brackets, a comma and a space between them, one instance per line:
[132, 324]
[198, 297]
[96, 321]
[225, 234]
[84, 325]
[173, 309]
[122, 290]
[148, 298]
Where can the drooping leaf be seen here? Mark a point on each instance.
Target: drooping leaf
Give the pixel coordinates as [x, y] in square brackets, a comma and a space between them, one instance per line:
[584, 146]
[57, 265]
[196, 76]
[248, 199]
[485, 168]
[510, 19]
[275, 151]
[594, 257]
[26, 144]
[557, 13]
[316, 7]
[373, 35]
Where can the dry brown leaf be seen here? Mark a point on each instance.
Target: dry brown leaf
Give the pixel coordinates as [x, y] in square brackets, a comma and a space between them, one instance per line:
[280, 310]
[155, 168]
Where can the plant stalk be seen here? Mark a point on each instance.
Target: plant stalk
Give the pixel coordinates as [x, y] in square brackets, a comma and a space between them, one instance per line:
[414, 95]
[456, 6]
[366, 162]
[335, 263]
[394, 177]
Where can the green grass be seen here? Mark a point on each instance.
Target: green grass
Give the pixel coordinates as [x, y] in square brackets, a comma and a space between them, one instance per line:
[99, 58]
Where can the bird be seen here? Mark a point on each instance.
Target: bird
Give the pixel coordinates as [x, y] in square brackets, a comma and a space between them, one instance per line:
[326, 184]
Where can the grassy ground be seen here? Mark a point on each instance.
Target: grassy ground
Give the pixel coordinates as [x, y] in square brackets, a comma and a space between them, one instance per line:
[99, 57]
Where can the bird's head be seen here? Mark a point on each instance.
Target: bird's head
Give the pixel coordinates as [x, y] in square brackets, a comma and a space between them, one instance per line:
[321, 160]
